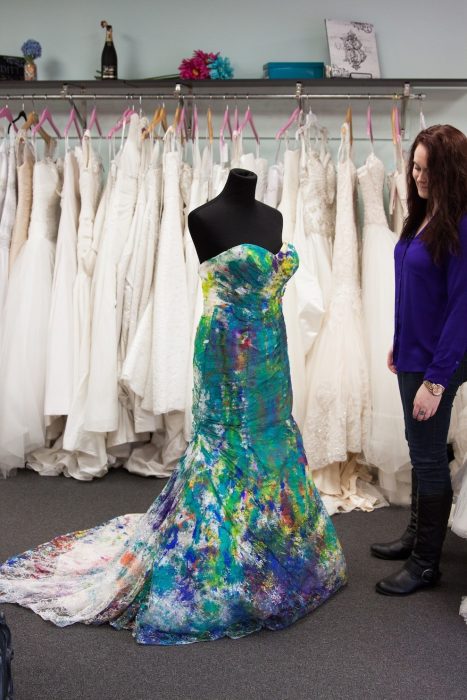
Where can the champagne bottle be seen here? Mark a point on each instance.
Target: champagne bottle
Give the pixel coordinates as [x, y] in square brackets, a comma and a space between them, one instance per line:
[109, 55]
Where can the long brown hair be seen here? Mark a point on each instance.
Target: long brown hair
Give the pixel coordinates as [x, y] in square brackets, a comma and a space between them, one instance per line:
[447, 190]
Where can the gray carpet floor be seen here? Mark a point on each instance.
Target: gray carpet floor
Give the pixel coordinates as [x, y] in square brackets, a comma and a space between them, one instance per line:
[358, 645]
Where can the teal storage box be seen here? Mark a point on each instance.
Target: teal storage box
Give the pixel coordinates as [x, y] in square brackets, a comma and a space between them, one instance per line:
[293, 71]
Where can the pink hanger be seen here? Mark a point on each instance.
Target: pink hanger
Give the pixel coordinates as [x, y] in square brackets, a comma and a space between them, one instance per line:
[93, 120]
[181, 126]
[6, 112]
[124, 119]
[293, 117]
[72, 120]
[46, 116]
[225, 123]
[248, 119]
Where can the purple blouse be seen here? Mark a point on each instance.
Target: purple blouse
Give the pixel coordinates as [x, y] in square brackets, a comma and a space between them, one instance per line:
[430, 332]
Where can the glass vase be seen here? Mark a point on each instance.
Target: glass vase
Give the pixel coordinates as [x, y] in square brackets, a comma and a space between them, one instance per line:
[30, 70]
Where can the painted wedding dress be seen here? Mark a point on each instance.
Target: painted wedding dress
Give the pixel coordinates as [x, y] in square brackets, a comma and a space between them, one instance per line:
[238, 539]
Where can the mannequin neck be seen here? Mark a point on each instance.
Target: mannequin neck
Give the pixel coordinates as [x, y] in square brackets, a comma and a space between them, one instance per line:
[240, 186]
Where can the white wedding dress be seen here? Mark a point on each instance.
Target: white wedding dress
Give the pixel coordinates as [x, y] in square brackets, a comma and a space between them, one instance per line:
[199, 194]
[76, 453]
[458, 429]
[385, 445]
[24, 169]
[88, 456]
[338, 404]
[459, 517]
[318, 190]
[126, 284]
[4, 145]
[309, 301]
[273, 193]
[156, 364]
[171, 324]
[25, 324]
[102, 405]
[463, 608]
[398, 191]
[296, 351]
[147, 459]
[7, 218]
[59, 374]
[338, 398]
[139, 285]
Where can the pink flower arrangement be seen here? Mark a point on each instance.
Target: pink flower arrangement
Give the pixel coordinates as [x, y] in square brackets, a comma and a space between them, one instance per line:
[205, 66]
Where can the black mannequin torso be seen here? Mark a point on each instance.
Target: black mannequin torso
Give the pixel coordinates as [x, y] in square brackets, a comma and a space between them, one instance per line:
[235, 217]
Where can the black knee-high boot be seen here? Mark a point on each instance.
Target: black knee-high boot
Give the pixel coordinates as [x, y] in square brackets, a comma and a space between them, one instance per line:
[402, 547]
[422, 568]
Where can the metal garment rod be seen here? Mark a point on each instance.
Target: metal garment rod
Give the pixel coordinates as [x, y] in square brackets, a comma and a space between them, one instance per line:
[299, 96]
[224, 98]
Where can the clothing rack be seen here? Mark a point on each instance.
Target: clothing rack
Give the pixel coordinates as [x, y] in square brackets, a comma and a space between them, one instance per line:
[222, 91]
[224, 97]
[177, 93]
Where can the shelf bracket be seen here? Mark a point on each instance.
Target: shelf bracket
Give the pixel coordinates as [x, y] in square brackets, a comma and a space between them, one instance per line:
[404, 102]
[67, 96]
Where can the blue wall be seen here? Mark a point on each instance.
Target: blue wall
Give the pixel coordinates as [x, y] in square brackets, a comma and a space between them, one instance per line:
[152, 37]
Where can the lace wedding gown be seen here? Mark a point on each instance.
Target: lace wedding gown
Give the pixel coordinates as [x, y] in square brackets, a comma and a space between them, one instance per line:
[318, 191]
[385, 445]
[239, 538]
[338, 404]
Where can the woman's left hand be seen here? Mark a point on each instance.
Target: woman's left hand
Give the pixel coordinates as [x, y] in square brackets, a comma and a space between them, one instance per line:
[425, 404]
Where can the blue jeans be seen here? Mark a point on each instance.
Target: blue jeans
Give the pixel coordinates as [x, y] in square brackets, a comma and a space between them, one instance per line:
[427, 439]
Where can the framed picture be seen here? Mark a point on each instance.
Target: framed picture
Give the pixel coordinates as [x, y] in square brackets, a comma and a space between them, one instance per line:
[12, 68]
[352, 49]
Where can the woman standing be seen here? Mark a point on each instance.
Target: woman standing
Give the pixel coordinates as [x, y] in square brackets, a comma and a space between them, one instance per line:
[430, 344]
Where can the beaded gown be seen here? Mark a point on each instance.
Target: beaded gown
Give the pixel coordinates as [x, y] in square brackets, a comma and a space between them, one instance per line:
[238, 539]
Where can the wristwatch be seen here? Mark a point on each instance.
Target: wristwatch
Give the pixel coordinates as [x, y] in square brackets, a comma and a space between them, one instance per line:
[435, 389]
